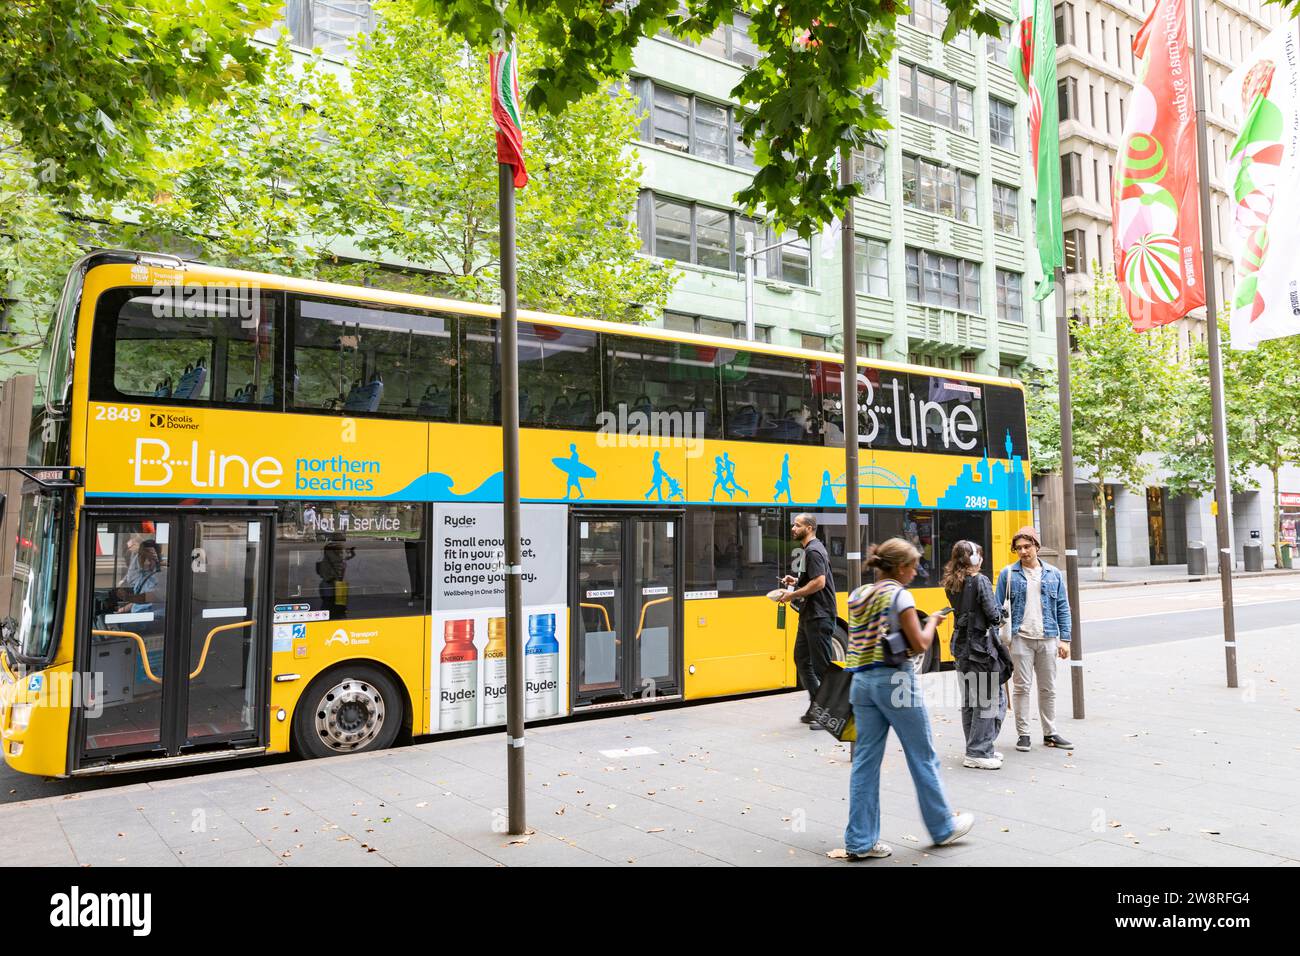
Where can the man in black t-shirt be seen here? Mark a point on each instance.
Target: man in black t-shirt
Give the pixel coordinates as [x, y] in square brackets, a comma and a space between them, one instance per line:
[816, 586]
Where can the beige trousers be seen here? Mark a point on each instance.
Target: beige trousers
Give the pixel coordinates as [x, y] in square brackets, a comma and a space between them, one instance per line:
[1034, 656]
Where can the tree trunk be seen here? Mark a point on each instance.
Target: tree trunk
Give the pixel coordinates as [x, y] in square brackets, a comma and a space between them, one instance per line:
[1101, 509]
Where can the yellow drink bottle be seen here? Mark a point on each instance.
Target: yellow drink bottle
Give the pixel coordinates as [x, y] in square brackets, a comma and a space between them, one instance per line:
[494, 673]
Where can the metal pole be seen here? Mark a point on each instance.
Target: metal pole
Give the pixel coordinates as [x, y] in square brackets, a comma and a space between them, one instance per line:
[749, 286]
[510, 504]
[1222, 501]
[1067, 494]
[849, 398]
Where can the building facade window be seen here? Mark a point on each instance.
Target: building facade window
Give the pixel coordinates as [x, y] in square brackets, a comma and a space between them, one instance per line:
[722, 328]
[929, 361]
[871, 266]
[1076, 251]
[944, 281]
[1002, 123]
[998, 48]
[936, 100]
[691, 124]
[929, 16]
[871, 349]
[1067, 97]
[939, 189]
[1064, 24]
[1071, 174]
[1006, 209]
[816, 343]
[709, 236]
[729, 41]
[1011, 300]
[869, 170]
[327, 25]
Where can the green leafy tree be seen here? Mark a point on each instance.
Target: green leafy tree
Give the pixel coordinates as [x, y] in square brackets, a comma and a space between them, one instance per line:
[83, 82]
[1262, 417]
[806, 95]
[1122, 384]
[1043, 411]
[37, 240]
[418, 172]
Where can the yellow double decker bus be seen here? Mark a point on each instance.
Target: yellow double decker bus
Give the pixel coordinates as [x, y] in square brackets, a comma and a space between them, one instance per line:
[262, 514]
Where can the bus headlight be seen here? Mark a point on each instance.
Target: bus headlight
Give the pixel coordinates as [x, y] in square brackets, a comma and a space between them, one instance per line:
[20, 716]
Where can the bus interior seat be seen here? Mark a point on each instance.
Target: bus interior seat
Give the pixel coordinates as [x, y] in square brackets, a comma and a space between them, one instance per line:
[643, 405]
[365, 398]
[435, 403]
[560, 412]
[191, 381]
[163, 389]
[582, 411]
[743, 422]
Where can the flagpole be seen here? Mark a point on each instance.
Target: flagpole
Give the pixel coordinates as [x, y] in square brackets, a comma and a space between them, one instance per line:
[510, 503]
[1223, 504]
[1068, 516]
[849, 289]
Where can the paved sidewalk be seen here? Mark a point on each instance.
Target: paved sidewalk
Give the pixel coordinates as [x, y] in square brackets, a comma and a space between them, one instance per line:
[1119, 577]
[1172, 769]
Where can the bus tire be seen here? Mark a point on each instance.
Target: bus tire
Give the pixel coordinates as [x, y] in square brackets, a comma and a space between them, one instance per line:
[839, 641]
[352, 708]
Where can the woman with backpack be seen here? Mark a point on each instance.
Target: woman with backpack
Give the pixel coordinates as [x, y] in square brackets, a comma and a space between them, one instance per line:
[981, 662]
[884, 631]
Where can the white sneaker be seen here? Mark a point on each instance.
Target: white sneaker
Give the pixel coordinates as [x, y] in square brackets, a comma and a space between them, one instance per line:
[877, 852]
[982, 763]
[998, 754]
[961, 824]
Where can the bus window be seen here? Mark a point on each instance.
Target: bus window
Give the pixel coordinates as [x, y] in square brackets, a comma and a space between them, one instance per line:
[974, 526]
[949, 415]
[354, 559]
[559, 376]
[1004, 411]
[368, 359]
[666, 379]
[919, 527]
[734, 551]
[886, 421]
[185, 344]
[771, 398]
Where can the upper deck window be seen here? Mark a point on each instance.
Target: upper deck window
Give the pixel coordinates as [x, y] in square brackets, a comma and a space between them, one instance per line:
[191, 344]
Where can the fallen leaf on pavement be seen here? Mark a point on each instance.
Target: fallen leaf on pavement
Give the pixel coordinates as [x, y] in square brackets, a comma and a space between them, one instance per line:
[655, 830]
[1211, 832]
[1114, 824]
[838, 854]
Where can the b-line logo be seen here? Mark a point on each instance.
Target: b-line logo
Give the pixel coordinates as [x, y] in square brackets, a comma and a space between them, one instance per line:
[76, 909]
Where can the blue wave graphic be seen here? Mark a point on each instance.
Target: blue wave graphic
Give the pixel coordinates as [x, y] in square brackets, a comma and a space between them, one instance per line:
[435, 486]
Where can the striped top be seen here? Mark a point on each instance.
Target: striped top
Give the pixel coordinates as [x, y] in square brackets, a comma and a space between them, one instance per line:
[869, 624]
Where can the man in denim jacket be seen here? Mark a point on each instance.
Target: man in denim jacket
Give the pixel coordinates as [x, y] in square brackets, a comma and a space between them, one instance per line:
[1040, 633]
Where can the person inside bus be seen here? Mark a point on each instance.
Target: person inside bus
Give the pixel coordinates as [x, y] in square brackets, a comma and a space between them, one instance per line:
[885, 693]
[144, 581]
[332, 569]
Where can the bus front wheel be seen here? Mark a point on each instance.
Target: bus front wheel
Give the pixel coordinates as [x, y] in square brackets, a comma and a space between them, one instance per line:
[350, 709]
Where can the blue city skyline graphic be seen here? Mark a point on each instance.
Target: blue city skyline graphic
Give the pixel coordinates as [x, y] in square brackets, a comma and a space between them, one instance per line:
[988, 485]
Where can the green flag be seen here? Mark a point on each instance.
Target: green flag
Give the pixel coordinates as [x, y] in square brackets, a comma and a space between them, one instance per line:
[1033, 60]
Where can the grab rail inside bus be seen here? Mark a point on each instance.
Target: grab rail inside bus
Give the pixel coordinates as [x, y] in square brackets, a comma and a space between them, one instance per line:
[645, 607]
[144, 651]
[601, 609]
[207, 642]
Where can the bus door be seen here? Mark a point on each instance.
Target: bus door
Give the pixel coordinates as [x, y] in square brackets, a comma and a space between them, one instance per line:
[175, 633]
[626, 607]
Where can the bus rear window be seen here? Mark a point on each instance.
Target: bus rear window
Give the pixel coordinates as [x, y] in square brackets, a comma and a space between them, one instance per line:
[199, 344]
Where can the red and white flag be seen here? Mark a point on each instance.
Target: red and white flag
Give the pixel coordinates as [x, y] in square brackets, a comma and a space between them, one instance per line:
[506, 113]
[1156, 202]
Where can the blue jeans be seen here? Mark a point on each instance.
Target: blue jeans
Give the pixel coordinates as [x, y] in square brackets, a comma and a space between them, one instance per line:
[884, 697]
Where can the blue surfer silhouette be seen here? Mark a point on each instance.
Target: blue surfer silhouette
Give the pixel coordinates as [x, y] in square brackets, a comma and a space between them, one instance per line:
[574, 471]
[782, 486]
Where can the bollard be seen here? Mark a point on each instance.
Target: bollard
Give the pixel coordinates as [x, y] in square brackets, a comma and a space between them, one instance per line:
[1196, 566]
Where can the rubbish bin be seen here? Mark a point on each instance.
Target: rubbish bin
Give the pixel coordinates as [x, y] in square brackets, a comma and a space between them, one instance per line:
[1286, 554]
[1196, 558]
[1254, 555]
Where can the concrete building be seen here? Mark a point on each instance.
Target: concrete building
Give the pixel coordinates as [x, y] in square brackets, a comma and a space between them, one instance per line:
[1096, 72]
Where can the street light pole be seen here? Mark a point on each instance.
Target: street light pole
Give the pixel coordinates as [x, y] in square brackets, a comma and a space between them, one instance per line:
[849, 383]
[1067, 495]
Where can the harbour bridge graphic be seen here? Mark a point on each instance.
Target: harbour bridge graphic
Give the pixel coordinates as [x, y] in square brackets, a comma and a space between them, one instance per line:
[872, 477]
